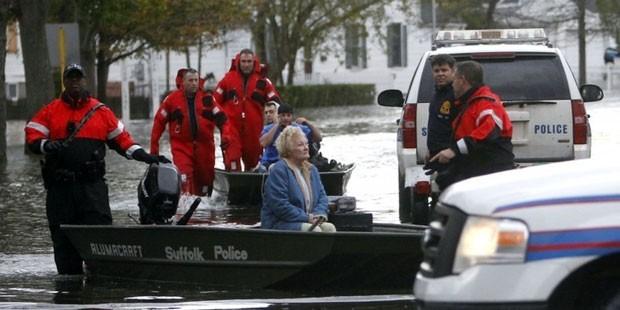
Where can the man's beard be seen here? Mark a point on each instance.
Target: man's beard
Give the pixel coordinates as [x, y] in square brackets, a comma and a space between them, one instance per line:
[74, 97]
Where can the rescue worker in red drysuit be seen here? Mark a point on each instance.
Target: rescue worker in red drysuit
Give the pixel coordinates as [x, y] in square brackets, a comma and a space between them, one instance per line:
[482, 130]
[74, 167]
[191, 115]
[243, 92]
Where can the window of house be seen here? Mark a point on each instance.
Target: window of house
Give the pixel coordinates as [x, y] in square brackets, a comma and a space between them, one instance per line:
[11, 92]
[397, 45]
[355, 46]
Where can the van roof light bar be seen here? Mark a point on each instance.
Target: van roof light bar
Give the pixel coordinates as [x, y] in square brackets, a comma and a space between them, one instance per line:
[490, 36]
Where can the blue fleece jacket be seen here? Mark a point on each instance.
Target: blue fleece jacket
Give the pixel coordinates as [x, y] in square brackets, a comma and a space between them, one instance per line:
[283, 201]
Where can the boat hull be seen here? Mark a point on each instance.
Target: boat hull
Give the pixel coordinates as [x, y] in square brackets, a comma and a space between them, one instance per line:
[247, 187]
[251, 258]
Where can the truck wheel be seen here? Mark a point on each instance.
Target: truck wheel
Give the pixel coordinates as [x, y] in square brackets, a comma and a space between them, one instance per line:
[609, 297]
[404, 201]
[614, 302]
[600, 294]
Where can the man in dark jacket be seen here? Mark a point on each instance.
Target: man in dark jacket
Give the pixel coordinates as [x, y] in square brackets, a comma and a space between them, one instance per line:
[482, 130]
[441, 111]
[72, 132]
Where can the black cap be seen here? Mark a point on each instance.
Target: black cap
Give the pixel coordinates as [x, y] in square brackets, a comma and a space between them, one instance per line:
[73, 68]
[285, 108]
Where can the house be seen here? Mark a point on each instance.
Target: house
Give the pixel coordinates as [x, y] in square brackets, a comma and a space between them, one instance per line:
[362, 58]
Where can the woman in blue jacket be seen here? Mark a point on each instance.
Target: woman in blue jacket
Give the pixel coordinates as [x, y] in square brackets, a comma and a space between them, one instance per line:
[294, 197]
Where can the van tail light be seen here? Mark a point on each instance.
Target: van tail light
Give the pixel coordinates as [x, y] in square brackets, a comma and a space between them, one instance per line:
[408, 126]
[580, 122]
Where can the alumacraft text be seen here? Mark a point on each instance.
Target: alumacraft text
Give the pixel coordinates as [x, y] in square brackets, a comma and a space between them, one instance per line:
[122, 250]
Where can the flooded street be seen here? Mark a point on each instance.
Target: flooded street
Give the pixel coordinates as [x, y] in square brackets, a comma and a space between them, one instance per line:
[364, 135]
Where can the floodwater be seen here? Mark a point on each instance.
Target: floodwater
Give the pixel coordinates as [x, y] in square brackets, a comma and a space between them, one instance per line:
[364, 135]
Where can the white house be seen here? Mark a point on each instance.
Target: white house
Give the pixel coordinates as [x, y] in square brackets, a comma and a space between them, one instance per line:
[361, 59]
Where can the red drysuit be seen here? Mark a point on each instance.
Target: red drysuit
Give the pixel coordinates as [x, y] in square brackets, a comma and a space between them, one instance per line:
[191, 135]
[243, 98]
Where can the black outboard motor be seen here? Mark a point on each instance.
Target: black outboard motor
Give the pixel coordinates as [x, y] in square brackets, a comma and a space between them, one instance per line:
[158, 194]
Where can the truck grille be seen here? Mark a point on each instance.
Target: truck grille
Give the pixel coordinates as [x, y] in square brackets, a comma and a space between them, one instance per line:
[440, 241]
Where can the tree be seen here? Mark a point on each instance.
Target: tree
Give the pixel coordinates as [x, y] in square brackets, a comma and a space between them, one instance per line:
[196, 23]
[32, 15]
[109, 32]
[531, 13]
[476, 14]
[609, 12]
[5, 17]
[293, 25]
[113, 30]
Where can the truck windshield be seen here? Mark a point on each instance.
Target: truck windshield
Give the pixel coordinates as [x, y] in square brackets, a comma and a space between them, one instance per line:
[518, 78]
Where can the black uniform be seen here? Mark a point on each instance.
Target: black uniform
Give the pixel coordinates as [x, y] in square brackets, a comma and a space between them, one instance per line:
[73, 131]
[441, 113]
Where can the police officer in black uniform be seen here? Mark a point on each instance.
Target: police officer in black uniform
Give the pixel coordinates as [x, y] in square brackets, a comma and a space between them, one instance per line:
[441, 111]
[72, 132]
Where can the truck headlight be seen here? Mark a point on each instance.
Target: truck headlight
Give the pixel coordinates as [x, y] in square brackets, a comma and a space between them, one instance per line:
[487, 240]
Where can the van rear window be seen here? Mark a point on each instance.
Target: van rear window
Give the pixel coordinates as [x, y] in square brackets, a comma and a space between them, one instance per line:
[522, 77]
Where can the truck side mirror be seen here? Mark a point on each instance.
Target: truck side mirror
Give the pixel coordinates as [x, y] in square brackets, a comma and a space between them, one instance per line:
[591, 92]
[391, 98]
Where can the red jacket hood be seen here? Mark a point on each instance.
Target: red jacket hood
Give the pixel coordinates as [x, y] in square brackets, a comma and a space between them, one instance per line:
[483, 92]
[235, 64]
[179, 79]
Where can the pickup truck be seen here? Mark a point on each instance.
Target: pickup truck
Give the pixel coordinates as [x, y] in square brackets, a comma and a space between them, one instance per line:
[542, 237]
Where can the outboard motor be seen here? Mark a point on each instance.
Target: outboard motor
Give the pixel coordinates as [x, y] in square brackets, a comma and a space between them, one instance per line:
[158, 194]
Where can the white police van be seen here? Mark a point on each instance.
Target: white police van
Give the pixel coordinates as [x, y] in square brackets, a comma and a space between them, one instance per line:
[537, 87]
[543, 237]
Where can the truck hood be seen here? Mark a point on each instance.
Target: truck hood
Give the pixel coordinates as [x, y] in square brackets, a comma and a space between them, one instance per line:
[565, 182]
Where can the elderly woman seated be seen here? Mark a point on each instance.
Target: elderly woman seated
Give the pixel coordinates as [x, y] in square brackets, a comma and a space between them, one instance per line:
[294, 198]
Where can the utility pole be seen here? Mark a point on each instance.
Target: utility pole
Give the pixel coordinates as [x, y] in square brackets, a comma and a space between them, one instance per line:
[124, 93]
[581, 21]
[153, 58]
[434, 11]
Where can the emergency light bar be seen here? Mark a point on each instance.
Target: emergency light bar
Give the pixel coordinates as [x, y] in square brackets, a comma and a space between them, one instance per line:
[490, 36]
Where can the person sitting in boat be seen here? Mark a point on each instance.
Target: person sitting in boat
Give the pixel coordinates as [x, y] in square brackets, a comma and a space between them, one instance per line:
[271, 112]
[272, 131]
[294, 197]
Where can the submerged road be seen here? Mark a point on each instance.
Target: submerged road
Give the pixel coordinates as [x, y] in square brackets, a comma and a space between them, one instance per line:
[361, 134]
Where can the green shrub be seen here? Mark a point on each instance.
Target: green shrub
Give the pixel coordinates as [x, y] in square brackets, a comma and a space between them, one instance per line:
[327, 95]
[138, 108]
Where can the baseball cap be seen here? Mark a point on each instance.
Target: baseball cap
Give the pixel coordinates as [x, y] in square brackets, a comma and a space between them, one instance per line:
[73, 68]
[285, 108]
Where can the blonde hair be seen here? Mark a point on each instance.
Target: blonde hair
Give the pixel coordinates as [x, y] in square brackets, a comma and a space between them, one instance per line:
[283, 143]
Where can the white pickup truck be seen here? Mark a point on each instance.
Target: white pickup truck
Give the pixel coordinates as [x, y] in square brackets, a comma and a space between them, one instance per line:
[543, 237]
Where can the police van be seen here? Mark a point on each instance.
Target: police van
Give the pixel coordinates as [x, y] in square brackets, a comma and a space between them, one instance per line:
[544, 237]
[536, 85]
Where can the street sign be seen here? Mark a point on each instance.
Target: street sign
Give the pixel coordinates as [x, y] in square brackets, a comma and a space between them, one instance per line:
[56, 34]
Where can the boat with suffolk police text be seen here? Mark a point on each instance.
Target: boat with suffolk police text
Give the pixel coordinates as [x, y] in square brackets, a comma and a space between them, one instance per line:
[386, 257]
[360, 255]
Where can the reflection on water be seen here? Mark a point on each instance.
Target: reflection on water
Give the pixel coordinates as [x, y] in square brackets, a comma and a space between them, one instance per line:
[364, 135]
